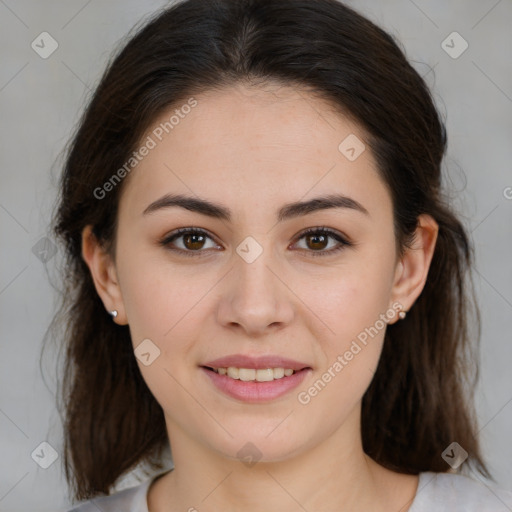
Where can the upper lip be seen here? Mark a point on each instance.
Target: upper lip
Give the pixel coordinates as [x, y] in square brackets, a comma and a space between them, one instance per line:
[260, 362]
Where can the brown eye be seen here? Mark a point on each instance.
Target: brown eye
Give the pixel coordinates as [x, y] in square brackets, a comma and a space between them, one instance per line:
[193, 241]
[317, 239]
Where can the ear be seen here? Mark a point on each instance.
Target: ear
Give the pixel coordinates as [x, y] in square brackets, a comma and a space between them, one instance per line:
[412, 268]
[103, 273]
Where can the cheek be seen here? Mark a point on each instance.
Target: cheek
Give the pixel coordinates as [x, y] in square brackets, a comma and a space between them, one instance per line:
[353, 303]
[156, 295]
[351, 297]
[355, 311]
[165, 304]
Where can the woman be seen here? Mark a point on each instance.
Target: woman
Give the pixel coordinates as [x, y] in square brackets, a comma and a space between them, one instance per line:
[264, 275]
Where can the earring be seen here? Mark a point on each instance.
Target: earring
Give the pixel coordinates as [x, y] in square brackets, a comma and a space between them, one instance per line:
[113, 313]
[402, 315]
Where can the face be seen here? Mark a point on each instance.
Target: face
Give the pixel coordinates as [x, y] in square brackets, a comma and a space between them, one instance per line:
[253, 283]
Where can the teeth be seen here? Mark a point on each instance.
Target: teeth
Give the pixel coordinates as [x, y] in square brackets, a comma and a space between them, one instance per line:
[233, 372]
[251, 374]
[246, 374]
[279, 373]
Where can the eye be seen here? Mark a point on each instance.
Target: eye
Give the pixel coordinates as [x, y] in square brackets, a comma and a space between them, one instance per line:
[193, 241]
[318, 239]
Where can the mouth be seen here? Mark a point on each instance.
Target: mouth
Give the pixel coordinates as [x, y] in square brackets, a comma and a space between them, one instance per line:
[254, 374]
[255, 381]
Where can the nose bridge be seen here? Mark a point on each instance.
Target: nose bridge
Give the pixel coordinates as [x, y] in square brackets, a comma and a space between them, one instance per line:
[254, 282]
[256, 297]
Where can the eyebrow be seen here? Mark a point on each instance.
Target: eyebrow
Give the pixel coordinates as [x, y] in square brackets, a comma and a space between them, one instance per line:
[288, 211]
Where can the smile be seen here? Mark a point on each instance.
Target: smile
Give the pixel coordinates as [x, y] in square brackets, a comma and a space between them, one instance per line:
[255, 384]
[254, 374]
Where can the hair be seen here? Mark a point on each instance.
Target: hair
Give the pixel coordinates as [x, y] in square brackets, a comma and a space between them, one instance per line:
[419, 399]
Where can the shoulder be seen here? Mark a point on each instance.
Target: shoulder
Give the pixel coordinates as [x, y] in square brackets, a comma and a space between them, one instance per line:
[455, 492]
[132, 499]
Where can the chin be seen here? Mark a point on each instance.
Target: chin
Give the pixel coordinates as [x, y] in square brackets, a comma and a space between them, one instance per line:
[256, 445]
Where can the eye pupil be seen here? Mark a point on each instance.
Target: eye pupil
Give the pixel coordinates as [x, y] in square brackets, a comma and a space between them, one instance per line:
[317, 237]
[194, 237]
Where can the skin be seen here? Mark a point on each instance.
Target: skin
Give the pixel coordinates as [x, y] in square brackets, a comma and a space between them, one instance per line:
[253, 149]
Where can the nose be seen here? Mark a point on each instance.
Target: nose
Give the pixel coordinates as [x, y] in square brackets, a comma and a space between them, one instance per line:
[255, 297]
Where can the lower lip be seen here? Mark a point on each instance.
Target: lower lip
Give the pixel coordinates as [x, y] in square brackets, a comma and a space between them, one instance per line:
[254, 391]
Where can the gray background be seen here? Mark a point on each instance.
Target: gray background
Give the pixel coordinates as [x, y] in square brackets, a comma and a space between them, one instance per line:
[40, 102]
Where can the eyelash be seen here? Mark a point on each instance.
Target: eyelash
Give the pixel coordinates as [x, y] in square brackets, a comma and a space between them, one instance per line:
[319, 230]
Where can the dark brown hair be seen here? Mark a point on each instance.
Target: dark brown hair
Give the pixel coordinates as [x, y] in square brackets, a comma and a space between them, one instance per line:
[419, 399]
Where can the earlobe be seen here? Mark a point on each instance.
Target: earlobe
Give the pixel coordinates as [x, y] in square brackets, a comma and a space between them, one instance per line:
[103, 273]
[412, 269]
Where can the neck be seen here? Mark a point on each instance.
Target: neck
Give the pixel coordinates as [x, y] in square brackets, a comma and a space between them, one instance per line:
[334, 475]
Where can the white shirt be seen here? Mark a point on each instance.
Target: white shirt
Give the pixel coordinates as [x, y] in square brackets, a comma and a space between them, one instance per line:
[437, 492]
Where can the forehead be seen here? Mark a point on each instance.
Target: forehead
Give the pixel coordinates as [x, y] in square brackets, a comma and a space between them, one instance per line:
[248, 145]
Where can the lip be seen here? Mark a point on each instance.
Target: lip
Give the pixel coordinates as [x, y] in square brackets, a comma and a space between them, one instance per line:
[253, 391]
[260, 362]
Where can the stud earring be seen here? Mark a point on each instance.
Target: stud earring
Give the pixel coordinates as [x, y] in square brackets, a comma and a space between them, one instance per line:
[113, 313]
[402, 315]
